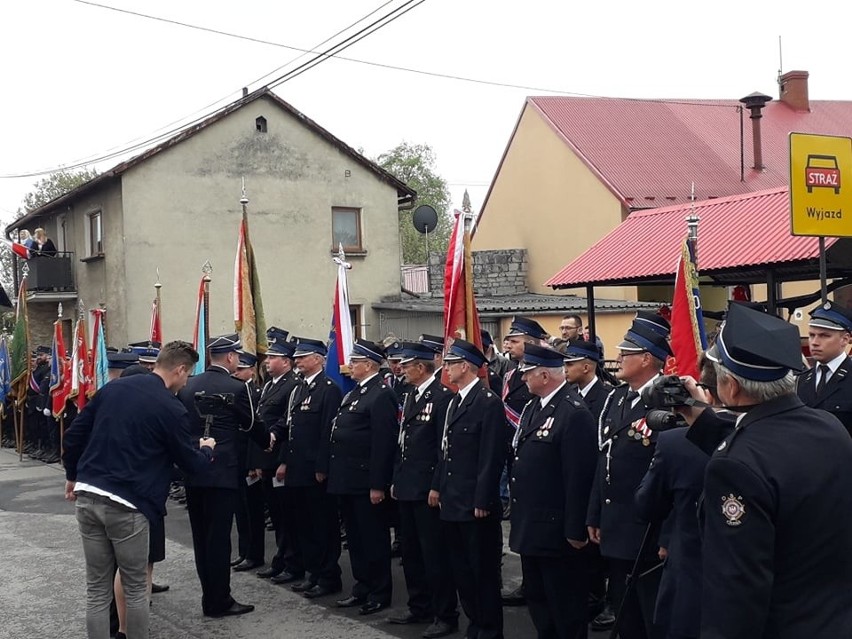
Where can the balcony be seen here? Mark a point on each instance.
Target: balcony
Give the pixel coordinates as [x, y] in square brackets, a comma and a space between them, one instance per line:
[49, 278]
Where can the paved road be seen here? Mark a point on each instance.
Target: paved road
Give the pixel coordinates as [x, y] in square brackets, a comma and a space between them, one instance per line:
[42, 589]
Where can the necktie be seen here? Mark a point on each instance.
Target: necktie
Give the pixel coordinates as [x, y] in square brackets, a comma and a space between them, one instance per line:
[454, 404]
[628, 402]
[824, 372]
[266, 387]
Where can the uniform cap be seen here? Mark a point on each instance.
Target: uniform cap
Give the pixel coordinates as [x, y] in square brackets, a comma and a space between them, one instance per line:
[412, 351]
[120, 361]
[535, 356]
[275, 334]
[831, 316]
[462, 350]
[365, 349]
[756, 345]
[247, 360]
[654, 321]
[435, 342]
[281, 348]
[526, 326]
[305, 346]
[642, 338]
[581, 349]
[225, 343]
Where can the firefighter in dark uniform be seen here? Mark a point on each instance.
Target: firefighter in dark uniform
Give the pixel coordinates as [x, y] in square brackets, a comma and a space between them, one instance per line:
[360, 469]
[515, 396]
[627, 446]
[777, 504]
[552, 474]
[249, 515]
[395, 380]
[425, 556]
[828, 385]
[211, 497]
[473, 453]
[303, 468]
[581, 363]
[272, 408]
[436, 343]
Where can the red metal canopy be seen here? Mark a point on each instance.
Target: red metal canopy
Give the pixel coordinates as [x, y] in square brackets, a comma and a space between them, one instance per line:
[740, 239]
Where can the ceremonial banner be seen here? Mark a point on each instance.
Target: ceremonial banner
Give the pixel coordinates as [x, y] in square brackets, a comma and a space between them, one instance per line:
[340, 337]
[156, 326]
[199, 336]
[20, 359]
[98, 357]
[80, 366]
[688, 337]
[60, 372]
[461, 319]
[249, 321]
[5, 375]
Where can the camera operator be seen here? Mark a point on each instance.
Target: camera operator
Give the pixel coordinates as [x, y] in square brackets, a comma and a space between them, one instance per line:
[627, 446]
[777, 505]
[211, 496]
[673, 485]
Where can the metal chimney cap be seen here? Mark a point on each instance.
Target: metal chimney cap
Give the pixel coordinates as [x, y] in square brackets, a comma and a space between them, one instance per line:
[756, 100]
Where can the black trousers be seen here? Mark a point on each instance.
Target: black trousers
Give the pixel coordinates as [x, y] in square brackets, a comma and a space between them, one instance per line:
[242, 520]
[426, 563]
[637, 614]
[211, 511]
[317, 526]
[288, 555]
[368, 534]
[557, 590]
[476, 549]
[255, 522]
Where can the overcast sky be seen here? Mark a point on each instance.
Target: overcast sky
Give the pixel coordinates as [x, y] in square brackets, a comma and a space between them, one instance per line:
[79, 81]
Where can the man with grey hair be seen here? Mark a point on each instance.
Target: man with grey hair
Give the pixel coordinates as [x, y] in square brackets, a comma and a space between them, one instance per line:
[778, 510]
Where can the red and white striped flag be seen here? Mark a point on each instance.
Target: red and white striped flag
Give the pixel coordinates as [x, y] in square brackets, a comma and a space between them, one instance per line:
[17, 248]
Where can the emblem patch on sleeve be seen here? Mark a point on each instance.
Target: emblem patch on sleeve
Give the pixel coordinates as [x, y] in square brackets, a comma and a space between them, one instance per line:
[733, 509]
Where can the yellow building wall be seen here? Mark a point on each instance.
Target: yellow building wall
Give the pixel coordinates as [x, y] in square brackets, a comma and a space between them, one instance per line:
[546, 200]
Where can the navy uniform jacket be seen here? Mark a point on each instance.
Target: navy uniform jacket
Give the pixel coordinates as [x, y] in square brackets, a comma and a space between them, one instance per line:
[778, 527]
[596, 397]
[673, 484]
[230, 429]
[312, 408]
[517, 394]
[417, 458]
[552, 476]
[363, 440]
[622, 464]
[271, 402]
[474, 455]
[836, 397]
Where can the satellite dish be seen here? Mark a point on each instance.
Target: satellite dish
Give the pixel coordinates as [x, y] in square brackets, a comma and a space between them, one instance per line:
[425, 218]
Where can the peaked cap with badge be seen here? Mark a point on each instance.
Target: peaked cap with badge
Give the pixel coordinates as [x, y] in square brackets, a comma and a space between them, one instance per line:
[526, 326]
[832, 316]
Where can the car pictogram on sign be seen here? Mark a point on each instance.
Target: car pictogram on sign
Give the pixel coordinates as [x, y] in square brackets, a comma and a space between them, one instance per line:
[822, 171]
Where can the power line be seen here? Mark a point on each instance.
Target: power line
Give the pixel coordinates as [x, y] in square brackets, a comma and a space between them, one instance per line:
[319, 57]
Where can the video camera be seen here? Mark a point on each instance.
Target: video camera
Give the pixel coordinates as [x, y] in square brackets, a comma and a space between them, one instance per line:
[212, 404]
[661, 397]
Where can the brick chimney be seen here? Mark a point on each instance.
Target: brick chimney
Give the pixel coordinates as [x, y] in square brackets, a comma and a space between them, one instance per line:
[793, 87]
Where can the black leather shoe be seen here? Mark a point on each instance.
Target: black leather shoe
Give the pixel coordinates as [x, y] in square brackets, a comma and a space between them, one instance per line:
[323, 591]
[408, 617]
[515, 597]
[155, 588]
[248, 564]
[237, 561]
[351, 602]
[235, 609]
[605, 620]
[440, 629]
[371, 607]
[286, 578]
[302, 586]
[267, 573]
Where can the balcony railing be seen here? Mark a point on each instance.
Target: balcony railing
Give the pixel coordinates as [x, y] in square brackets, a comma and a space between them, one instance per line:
[49, 273]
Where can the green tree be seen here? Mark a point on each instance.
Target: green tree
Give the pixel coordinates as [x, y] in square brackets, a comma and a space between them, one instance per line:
[414, 164]
[47, 189]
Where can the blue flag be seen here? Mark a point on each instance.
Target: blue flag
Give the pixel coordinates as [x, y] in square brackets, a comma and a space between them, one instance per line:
[5, 374]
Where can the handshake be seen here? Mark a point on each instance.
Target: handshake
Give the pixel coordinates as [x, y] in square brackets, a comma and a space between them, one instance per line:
[207, 441]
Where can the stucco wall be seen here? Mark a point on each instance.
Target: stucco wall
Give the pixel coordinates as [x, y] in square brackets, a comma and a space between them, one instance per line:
[181, 208]
[545, 199]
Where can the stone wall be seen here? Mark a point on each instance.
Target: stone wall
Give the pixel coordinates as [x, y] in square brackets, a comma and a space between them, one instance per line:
[497, 272]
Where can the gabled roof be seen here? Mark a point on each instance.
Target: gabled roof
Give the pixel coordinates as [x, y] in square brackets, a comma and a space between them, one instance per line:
[648, 152]
[740, 239]
[405, 193]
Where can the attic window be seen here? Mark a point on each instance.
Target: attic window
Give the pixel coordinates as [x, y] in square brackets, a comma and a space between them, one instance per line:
[260, 124]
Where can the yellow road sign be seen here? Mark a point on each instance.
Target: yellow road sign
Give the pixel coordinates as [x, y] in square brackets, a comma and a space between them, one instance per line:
[820, 185]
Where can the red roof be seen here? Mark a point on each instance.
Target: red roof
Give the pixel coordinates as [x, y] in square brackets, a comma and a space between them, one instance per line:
[735, 235]
[649, 152]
